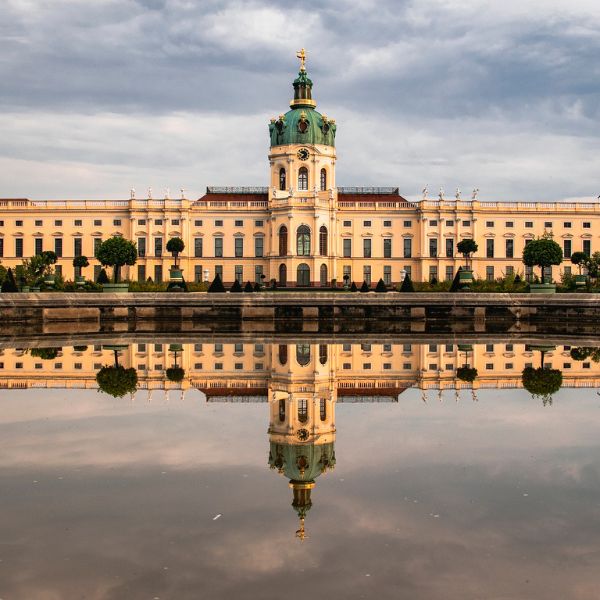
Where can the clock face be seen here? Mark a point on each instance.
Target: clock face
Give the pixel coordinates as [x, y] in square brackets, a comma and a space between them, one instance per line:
[303, 154]
[303, 434]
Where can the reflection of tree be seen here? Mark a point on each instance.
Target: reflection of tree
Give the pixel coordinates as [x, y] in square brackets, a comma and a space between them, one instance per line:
[542, 382]
[466, 374]
[175, 373]
[583, 352]
[117, 381]
[45, 353]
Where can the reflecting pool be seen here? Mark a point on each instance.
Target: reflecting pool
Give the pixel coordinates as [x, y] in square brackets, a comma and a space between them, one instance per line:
[296, 469]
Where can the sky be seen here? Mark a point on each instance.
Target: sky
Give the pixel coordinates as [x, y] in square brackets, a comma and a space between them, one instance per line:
[100, 97]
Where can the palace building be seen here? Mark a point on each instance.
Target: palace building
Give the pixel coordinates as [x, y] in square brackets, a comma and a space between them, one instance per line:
[302, 229]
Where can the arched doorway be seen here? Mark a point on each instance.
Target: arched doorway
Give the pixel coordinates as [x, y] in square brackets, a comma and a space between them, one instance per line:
[303, 241]
[303, 275]
[323, 274]
[283, 241]
[282, 275]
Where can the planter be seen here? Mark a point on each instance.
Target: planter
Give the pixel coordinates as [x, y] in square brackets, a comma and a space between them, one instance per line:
[580, 280]
[175, 274]
[79, 280]
[35, 289]
[542, 288]
[115, 288]
[175, 348]
[465, 278]
[25, 289]
[465, 347]
[49, 280]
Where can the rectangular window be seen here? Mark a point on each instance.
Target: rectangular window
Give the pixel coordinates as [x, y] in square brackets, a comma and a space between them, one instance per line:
[547, 224]
[587, 225]
[259, 246]
[366, 223]
[489, 248]
[407, 248]
[510, 248]
[174, 221]
[97, 223]
[433, 223]
[528, 224]
[387, 275]
[367, 248]
[239, 273]
[407, 223]
[198, 247]
[449, 247]
[239, 247]
[449, 223]
[158, 273]
[347, 223]
[510, 270]
[77, 247]
[219, 271]
[489, 273]
[567, 225]
[509, 224]
[38, 246]
[239, 223]
[567, 270]
[587, 247]
[219, 247]
[219, 223]
[117, 222]
[158, 246]
[19, 247]
[489, 223]
[141, 247]
[433, 273]
[433, 247]
[78, 223]
[259, 223]
[387, 248]
[97, 242]
[1, 223]
[367, 274]
[567, 248]
[197, 273]
[258, 273]
[58, 247]
[347, 274]
[347, 247]
[466, 223]
[141, 272]
[1, 247]
[58, 270]
[408, 269]
[449, 273]
[18, 223]
[39, 223]
[58, 223]
[198, 223]
[141, 221]
[387, 223]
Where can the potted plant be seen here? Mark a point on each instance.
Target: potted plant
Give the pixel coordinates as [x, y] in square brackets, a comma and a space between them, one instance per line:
[467, 248]
[80, 262]
[579, 259]
[543, 252]
[175, 246]
[117, 381]
[116, 252]
[48, 258]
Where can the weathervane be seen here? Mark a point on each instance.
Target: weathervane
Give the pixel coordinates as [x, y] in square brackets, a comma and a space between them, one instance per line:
[301, 54]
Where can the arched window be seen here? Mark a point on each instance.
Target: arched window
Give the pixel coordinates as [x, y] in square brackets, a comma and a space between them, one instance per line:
[282, 182]
[302, 410]
[323, 354]
[283, 354]
[282, 410]
[303, 275]
[282, 275]
[283, 241]
[323, 180]
[323, 240]
[303, 241]
[323, 409]
[303, 178]
[303, 354]
[323, 273]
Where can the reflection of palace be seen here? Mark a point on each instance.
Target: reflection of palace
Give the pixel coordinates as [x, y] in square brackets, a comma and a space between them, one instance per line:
[302, 383]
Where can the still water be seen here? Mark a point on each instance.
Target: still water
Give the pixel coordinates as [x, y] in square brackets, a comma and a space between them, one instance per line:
[300, 470]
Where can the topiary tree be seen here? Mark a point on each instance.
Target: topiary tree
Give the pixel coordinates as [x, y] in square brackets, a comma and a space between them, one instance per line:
[116, 252]
[466, 374]
[380, 287]
[365, 287]
[236, 287]
[9, 285]
[249, 288]
[80, 262]
[216, 285]
[353, 287]
[175, 374]
[542, 382]
[102, 277]
[45, 353]
[579, 259]
[117, 381]
[175, 246]
[467, 248]
[407, 285]
[543, 252]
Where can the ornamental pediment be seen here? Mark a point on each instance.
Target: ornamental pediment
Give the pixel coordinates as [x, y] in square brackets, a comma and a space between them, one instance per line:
[567, 235]
[509, 235]
[586, 235]
[174, 234]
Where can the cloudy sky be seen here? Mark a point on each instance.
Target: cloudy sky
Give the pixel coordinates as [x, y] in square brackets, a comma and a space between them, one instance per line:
[98, 97]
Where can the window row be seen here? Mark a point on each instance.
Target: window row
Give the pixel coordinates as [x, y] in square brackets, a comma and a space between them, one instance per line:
[303, 180]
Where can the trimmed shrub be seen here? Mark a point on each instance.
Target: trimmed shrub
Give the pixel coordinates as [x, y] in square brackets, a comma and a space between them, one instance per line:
[380, 288]
[9, 285]
[216, 286]
[236, 288]
[407, 285]
[364, 287]
[353, 287]
[248, 288]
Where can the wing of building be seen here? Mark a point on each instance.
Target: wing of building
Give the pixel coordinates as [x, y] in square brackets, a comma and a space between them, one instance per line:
[301, 229]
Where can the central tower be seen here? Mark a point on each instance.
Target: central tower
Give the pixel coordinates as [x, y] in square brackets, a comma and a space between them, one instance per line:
[303, 196]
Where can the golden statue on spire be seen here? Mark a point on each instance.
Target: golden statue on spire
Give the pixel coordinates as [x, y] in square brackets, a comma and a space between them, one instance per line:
[301, 54]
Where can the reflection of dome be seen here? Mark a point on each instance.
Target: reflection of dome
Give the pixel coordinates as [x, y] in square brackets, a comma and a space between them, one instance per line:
[302, 462]
[303, 124]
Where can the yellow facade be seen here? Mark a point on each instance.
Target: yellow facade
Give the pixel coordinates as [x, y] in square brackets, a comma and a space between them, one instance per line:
[302, 229]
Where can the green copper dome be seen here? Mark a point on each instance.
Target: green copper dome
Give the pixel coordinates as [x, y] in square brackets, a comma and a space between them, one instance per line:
[302, 462]
[303, 124]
